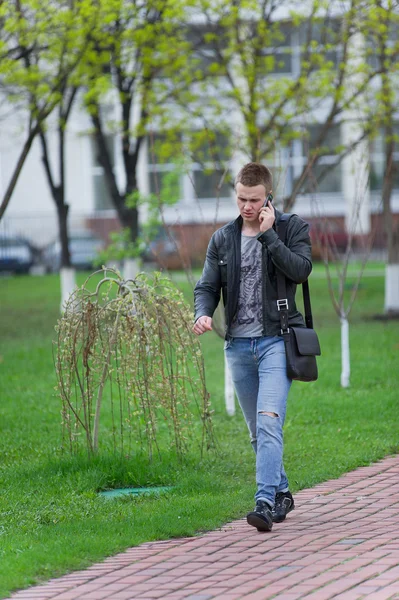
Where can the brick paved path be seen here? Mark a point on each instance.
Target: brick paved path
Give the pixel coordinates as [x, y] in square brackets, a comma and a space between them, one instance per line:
[342, 541]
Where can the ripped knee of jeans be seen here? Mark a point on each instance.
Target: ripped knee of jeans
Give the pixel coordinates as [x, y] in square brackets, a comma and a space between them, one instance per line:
[269, 414]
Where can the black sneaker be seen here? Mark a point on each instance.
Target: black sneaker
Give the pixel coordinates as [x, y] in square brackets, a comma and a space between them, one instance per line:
[283, 505]
[261, 517]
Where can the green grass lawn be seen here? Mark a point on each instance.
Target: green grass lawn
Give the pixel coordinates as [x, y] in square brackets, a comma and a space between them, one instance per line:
[51, 517]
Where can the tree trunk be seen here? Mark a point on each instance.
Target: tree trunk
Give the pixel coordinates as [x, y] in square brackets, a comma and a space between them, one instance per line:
[392, 289]
[129, 217]
[391, 304]
[391, 301]
[68, 284]
[62, 216]
[58, 192]
[387, 187]
[345, 356]
[131, 268]
[67, 272]
[17, 171]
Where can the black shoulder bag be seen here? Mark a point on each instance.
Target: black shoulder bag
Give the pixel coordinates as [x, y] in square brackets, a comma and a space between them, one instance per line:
[301, 343]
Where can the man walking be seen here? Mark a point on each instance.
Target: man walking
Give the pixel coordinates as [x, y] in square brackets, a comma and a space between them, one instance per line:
[241, 262]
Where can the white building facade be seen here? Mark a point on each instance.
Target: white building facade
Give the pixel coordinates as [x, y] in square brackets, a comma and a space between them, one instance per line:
[351, 188]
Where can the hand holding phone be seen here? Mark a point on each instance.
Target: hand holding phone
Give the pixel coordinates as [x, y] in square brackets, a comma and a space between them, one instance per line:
[268, 199]
[267, 217]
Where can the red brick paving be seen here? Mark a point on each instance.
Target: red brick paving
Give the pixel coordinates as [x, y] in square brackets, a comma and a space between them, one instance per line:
[341, 542]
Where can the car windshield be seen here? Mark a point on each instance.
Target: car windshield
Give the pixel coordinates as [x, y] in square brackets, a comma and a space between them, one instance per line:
[81, 244]
[12, 244]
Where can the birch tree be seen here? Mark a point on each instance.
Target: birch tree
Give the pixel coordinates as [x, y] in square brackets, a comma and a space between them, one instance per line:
[337, 262]
[380, 29]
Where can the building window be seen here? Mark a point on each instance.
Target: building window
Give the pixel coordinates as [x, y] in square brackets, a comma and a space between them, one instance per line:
[331, 181]
[326, 175]
[210, 152]
[377, 162]
[323, 37]
[165, 174]
[211, 185]
[204, 41]
[165, 182]
[372, 42]
[277, 56]
[201, 159]
[102, 197]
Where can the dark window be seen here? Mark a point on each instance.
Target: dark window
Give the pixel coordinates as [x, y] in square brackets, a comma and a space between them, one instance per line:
[277, 55]
[165, 184]
[164, 174]
[373, 43]
[208, 185]
[327, 166]
[164, 147]
[276, 61]
[331, 140]
[326, 31]
[377, 161]
[331, 181]
[210, 153]
[323, 38]
[210, 147]
[102, 197]
[206, 42]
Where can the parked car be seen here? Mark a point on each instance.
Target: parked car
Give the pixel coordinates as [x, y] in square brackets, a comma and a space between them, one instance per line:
[83, 247]
[327, 237]
[163, 251]
[17, 255]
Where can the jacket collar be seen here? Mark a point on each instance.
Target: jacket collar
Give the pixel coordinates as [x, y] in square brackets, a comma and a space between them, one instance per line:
[236, 226]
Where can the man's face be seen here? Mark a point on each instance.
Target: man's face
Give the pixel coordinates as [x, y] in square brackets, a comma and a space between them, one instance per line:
[250, 200]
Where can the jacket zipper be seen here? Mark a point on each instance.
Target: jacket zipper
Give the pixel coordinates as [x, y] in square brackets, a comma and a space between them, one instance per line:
[264, 290]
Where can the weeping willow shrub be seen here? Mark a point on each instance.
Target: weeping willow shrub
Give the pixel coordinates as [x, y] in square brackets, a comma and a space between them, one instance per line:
[130, 371]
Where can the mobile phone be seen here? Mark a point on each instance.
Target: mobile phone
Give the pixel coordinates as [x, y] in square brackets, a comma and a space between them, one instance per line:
[268, 199]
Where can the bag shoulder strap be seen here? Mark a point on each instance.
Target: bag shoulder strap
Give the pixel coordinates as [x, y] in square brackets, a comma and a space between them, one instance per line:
[282, 303]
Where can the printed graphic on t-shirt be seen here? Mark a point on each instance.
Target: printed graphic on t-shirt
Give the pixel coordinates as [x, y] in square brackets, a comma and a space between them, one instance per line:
[249, 310]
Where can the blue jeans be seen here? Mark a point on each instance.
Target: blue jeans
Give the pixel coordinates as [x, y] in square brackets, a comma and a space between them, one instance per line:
[258, 370]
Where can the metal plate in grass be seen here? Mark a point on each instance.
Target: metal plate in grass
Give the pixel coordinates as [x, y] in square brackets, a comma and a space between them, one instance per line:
[134, 491]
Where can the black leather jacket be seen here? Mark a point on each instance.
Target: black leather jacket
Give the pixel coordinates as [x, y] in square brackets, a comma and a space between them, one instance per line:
[222, 266]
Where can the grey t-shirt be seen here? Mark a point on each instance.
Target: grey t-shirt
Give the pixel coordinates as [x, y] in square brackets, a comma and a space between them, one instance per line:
[248, 321]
